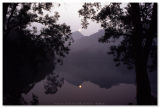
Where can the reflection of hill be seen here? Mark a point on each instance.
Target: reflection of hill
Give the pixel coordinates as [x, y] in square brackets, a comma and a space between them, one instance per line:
[90, 93]
[88, 61]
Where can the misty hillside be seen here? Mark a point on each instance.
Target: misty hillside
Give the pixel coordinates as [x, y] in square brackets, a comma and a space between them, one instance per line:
[88, 61]
[76, 35]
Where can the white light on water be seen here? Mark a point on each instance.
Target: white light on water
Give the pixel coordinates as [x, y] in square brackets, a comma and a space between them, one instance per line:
[80, 86]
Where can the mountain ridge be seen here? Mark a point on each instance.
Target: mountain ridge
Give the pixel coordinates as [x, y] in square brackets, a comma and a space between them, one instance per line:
[88, 61]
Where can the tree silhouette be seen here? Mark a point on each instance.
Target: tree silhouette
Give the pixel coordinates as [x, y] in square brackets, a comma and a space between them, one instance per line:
[52, 83]
[134, 31]
[30, 55]
[35, 100]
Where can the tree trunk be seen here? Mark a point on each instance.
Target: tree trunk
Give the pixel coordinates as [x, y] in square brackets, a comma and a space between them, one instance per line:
[142, 81]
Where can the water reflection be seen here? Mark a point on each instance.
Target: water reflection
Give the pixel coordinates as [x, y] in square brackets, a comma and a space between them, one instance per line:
[31, 55]
[90, 77]
[53, 82]
[88, 93]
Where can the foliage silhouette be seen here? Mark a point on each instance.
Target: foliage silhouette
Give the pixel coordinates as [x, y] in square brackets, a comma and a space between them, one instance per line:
[30, 55]
[35, 100]
[52, 83]
[134, 31]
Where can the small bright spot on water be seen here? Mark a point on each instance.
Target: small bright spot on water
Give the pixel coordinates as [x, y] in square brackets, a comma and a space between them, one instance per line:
[80, 86]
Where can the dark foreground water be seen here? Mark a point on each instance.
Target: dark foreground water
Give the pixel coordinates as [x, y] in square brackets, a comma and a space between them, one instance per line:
[85, 93]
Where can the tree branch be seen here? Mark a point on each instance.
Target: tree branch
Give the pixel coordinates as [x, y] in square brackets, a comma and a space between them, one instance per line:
[12, 11]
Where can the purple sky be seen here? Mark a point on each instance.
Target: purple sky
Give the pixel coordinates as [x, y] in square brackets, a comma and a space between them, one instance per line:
[68, 12]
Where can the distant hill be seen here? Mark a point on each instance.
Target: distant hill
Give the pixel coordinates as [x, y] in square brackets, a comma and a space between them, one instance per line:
[77, 35]
[88, 61]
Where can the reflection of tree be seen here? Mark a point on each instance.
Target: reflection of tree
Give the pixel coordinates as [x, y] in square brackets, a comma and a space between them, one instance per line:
[52, 83]
[137, 25]
[35, 100]
[30, 55]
